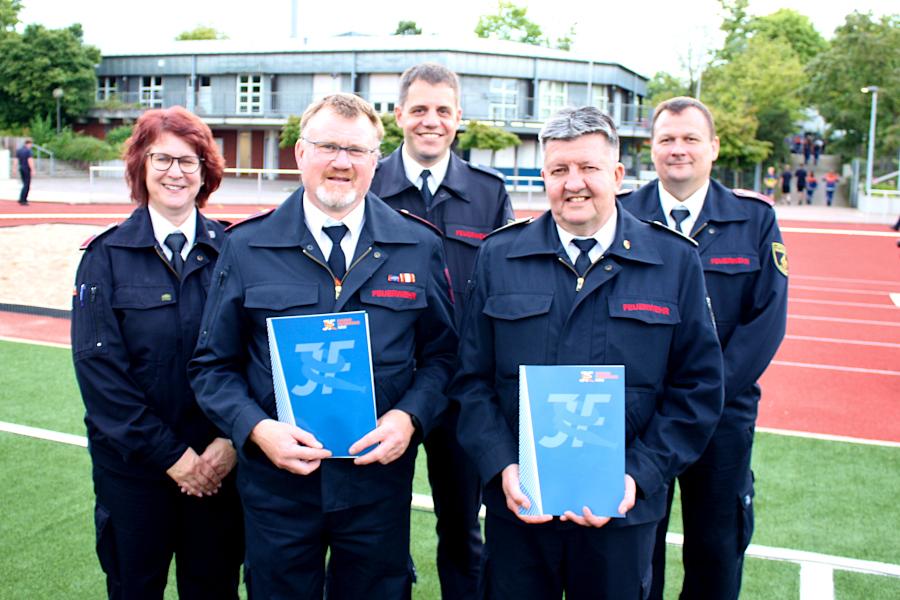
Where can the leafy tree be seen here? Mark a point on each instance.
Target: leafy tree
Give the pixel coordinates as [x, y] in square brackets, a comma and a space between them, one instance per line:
[735, 24]
[393, 135]
[39, 61]
[201, 32]
[663, 86]
[290, 132]
[794, 29]
[485, 137]
[9, 14]
[408, 28]
[510, 23]
[864, 51]
[116, 136]
[564, 42]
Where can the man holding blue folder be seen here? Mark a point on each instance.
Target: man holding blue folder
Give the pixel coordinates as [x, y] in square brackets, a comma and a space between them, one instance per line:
[585, 284]
[330, 247]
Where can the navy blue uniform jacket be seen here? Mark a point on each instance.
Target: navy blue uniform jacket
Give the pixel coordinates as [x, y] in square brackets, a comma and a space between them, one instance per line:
[470, 203]
[134, 327]
[738, 241]
[643, 305]
[272, 267]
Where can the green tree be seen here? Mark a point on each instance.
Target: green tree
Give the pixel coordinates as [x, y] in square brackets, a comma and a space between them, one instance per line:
[393, 135]
[39, 61]
[864, 51]
[510, 23]
[663, 86]
[485, 137]
[794, 29]
[408, 28]
[565, 41]
[735, 24]
[201, 32]
[9, 14]
[290, 132]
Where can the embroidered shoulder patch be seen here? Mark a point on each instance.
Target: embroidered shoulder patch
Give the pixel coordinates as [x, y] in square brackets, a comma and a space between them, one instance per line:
[779, 255]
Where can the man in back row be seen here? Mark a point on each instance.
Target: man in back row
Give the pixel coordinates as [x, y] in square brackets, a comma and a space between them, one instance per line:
[745, 268]
[465, 202]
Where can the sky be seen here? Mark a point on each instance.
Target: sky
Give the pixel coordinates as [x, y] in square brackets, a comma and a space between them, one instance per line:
[644, 35]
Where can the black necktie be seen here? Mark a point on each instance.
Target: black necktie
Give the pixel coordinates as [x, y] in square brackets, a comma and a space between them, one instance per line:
[175, 242]
[584, 261]
[427, 196]
[336, 260]
[679, 213]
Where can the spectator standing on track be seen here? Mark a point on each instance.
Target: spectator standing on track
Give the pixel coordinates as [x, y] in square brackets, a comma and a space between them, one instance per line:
[831, 182]
[786, 184]
[770, 181]
[811, 184]
[745, 267]
[25, 160]
[800, 174]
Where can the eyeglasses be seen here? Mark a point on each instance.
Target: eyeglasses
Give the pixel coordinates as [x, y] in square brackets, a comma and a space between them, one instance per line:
[162, 162]
[329, 150]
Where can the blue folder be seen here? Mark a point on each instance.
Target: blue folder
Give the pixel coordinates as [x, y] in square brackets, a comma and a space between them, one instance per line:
[572, 438]
[322, 371]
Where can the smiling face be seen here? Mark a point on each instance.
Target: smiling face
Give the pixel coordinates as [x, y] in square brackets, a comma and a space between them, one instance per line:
[429, 119]
[172, 193]
[683, 151]
[581, 177]
[336, 185]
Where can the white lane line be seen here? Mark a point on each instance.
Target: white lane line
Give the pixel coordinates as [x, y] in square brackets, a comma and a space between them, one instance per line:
[843, 320]
[812, 338]
[892, 283]
[816, 581]
[816, 288]
[895, 298]
[842, 369]
[16, 340]
[827, 437]
[841, 303]
[858, 232]
[44, 434]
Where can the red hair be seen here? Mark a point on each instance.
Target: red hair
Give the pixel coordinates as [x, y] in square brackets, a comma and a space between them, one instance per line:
[184, 124]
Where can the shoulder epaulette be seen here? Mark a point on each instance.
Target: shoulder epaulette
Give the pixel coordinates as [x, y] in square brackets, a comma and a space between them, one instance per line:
[252, 217]
[87, 243]
[624, 192]
[741, 193]
[224, 223]
[489, 171]
[668, 229]
[425, 222]
[511, 224]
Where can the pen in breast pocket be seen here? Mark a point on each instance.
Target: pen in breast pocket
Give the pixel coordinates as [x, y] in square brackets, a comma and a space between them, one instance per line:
[81, 294]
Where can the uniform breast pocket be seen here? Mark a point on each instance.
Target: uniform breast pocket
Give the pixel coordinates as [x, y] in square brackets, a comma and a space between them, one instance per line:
[639, 335]
[265, 300]
[148, 320]
[520, 328]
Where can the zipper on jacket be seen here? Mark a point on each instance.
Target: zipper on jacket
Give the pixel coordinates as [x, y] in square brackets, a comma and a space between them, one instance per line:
[159, 253]
[579, 279]
[97, 342]
[337, 282]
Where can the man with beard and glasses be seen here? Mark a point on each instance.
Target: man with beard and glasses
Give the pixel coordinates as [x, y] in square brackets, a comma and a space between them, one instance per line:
[330, 247]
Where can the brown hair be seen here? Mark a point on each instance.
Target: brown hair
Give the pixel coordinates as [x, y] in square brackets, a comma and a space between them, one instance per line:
[346, 105]
[430, 73]
[179, 122]
[679, 104]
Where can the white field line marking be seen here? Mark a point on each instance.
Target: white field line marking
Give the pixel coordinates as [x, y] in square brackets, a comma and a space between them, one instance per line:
[895, 298]
[44, 434]
[16, 340]
[843, 320]
[787, 363]
[822, 231]
[827, 437]
[846, 279]
[815, 288]
[811, 338]
[816, 581]
[841, 303]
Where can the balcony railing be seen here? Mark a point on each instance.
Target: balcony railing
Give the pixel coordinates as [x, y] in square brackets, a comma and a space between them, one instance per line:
[280, 105]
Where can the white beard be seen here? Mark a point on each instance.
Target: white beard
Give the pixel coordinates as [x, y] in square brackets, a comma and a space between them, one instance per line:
[335, 200]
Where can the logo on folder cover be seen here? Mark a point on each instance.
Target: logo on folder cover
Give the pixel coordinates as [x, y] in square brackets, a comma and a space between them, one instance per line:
[572, 438]
[322, 374]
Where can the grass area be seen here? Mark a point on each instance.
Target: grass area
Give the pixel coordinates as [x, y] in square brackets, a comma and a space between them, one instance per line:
[829, 497]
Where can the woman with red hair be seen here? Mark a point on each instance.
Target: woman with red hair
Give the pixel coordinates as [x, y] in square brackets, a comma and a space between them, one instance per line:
[163, 473]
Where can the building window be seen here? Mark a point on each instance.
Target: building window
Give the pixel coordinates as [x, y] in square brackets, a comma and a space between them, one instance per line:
[553, 97]
[504, 99]
[383, 107]
[249, 94]
[107, 88]
[152, 91]
[600, 97]
[204, 94]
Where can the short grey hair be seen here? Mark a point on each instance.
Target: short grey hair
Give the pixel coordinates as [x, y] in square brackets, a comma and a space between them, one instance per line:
[570, 123]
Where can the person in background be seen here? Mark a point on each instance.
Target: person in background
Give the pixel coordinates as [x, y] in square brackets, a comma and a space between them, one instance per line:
[25, 160]
[770, 182]
[811, 184]
[163, 473]
[786, 175]
[800, 174]
[831, 180]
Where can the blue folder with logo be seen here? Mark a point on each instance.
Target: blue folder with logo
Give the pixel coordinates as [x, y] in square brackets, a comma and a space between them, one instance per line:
[322, 371]
[572, 438]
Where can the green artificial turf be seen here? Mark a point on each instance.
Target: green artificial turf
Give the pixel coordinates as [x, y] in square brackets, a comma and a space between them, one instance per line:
[829, 497]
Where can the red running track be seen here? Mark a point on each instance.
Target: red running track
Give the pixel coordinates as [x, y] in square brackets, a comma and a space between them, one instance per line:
[837, 372]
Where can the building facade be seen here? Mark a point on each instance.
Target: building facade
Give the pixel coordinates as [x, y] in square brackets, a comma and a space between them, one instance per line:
[246, 91]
